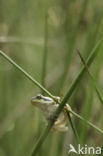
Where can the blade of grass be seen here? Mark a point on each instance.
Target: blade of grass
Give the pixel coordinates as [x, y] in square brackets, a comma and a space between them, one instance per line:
[78, 78]
[93, 34]
[86, 121]
[88, 103]
[65, 99]
[73, 127]
[45, 51]
[92, 78]
[44, 64]
[72, 42]
[26, 74]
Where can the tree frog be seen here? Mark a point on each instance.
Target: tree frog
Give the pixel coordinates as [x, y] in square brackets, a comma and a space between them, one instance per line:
[48, 106]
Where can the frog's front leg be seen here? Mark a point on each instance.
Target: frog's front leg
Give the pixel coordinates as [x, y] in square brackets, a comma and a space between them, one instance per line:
[60, 128]
[68, 108]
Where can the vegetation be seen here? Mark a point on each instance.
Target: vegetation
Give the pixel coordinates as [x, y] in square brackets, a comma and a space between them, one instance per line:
[53, 44]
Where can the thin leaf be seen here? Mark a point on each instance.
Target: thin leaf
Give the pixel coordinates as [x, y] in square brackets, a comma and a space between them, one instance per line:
[86, 121]
[73, 127]
[26, 74]
[92, 78]
[45, 51]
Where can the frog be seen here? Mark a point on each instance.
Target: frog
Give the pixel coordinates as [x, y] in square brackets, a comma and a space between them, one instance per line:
[49, 106]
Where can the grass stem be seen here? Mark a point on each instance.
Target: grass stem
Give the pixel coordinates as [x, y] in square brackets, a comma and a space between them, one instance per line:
[86, 121]
[73, 127]
[26, 74]
[92, 78]
[45, 50]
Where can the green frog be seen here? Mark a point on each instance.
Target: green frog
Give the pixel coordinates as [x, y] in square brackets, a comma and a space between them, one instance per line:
[48, 106]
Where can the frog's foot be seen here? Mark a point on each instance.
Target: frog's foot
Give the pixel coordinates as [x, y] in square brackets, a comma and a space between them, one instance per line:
[68, 108]
[57, 99]
[60, 128]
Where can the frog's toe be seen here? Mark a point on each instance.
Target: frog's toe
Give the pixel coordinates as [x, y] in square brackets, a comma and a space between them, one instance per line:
[60, 128]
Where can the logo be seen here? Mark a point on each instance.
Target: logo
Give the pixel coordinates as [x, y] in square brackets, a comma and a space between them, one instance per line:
[84, 149]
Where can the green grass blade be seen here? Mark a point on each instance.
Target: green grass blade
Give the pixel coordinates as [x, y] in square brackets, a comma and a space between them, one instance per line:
[73, 127]
[78, 78]
[92, 78]
[26, 74]
[86, 121]
[72, 42]
[45, 51]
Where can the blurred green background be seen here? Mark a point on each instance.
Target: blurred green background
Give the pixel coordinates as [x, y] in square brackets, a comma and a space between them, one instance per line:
[28, 29]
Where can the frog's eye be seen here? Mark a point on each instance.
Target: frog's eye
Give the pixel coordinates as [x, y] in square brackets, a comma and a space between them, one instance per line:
[39, 97]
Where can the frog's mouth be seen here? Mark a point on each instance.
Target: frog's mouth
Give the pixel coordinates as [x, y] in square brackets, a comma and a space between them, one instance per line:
[35, 101]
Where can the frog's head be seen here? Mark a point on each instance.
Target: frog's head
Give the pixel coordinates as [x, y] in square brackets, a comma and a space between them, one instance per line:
[41, 100]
